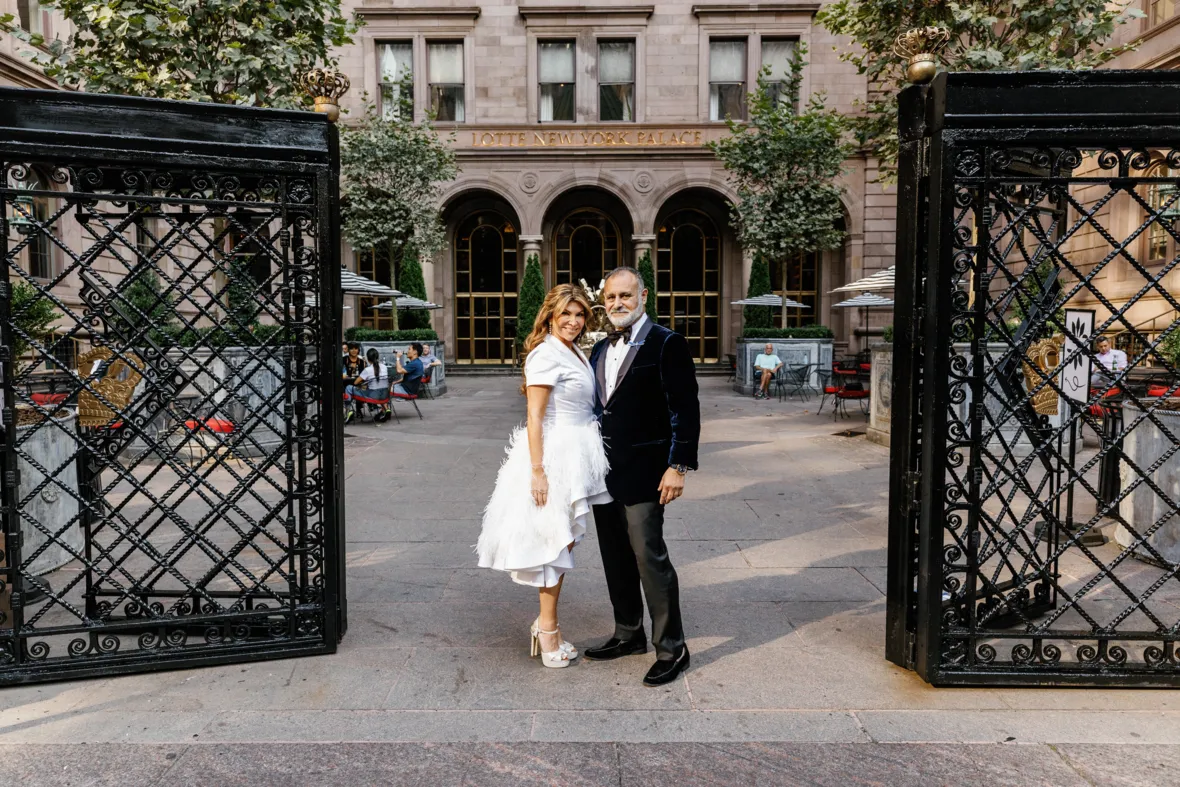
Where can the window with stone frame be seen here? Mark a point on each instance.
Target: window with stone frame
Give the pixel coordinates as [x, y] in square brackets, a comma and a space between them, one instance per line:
[396, 70]
[1162, 195]
[777, 56]
[727, 78]
[616, 81]
[444, 63]
[30, 16]
[556, 81]
[1160, 11]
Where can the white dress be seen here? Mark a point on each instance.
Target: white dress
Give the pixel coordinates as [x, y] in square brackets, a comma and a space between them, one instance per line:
[518, 537]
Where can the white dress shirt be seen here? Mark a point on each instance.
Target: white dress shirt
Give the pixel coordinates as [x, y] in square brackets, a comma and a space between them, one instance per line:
[616, 353]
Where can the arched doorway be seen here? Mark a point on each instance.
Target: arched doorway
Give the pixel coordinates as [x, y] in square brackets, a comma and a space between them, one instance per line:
[688, 280]
[485, 289]
[586, 244]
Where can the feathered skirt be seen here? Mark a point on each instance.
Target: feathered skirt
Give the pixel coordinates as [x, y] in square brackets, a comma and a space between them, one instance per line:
[530, 542]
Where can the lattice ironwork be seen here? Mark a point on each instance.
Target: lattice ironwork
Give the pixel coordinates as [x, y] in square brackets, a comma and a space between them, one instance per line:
[1038, 500]
[170, 501]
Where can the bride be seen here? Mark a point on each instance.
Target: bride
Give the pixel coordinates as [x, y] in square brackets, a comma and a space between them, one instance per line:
[555, 471]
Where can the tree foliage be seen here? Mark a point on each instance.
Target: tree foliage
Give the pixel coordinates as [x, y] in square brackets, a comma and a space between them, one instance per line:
[411, 283]
[391, 172]
[220, 51]
[32, 315]
[649, 281]
[532, 295]
[783, 164]
[986, 35]
[758, 316]
[145, 310]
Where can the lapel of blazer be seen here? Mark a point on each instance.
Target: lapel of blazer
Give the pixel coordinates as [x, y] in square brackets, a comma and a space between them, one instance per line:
[632, 350]
[599, 363]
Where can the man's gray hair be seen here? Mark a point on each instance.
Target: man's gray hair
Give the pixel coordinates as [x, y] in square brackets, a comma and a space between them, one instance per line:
[625, 269]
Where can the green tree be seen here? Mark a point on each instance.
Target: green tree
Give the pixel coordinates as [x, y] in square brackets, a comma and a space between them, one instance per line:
[410, 282]
[649, 281]
[31, 314]
[985, 35]
[220, 51]
[144, 304]
[758, 316]
[784, 164]
[532, 295]
[392, 171]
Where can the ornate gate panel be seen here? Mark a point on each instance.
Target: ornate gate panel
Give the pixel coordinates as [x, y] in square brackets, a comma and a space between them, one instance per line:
[1035, 499]
[169, 342]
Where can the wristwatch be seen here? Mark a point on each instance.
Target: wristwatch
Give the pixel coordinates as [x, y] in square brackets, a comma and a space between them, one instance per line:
[682, 469]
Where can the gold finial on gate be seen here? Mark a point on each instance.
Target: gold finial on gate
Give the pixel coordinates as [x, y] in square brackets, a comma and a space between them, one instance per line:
[920, 47]
[325, 86]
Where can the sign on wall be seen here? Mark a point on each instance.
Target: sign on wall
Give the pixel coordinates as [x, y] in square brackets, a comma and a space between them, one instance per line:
[1079, 332]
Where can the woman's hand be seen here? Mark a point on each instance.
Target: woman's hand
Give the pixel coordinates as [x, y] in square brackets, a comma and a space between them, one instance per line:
[540, 487]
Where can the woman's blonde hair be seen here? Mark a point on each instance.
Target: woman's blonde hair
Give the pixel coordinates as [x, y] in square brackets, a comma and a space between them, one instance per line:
[556, 301]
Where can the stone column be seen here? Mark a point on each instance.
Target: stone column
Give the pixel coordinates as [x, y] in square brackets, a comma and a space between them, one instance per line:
[530, 245]
[644, 243]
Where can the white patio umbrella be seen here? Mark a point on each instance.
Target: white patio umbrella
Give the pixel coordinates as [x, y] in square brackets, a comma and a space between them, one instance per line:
[770, 300]
[355, 284]
[881, 280]
[408, 302]
[866, 301]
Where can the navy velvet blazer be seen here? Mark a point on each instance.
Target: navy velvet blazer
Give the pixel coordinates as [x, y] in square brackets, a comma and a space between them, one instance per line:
[653, 419]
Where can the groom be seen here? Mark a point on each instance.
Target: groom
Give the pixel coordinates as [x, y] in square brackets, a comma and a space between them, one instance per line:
[651, 422]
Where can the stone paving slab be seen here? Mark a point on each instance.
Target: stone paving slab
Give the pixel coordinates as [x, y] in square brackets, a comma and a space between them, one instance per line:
[587, 764]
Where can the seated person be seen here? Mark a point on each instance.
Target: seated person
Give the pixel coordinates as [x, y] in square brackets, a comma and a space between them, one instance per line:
[767, 364]
[1110, 364]
[353, 363]
[428, 358]
[373, 381]
[410, 371]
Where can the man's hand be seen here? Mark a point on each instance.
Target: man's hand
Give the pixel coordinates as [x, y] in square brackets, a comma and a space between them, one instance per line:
[671, 486]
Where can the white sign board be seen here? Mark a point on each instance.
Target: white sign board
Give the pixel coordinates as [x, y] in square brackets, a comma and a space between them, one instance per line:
[1079, 333]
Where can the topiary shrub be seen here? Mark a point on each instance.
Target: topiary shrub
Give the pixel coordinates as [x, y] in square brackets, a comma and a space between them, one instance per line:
[411, 283]
[532, 295]
[887, 334]
[804, 332]
[649, 281]
[758, 317]
[359, 334]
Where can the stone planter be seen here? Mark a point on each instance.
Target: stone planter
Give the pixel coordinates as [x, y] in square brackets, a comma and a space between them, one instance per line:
[792, 352]
[881, 410]
[1144, 445]
[54, 506]
[438, 376]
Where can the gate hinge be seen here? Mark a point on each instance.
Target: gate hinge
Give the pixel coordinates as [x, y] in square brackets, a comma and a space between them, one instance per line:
[912, 481]
[5, 353]
[911, 649]
[12, 478]
[4, 290]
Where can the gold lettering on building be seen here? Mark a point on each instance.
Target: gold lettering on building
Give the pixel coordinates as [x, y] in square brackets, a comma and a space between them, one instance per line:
[591, 138]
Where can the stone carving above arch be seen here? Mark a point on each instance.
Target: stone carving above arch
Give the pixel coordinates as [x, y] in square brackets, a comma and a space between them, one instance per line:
[553, 190]
[643, 181]
[494, 185]
[529, 182]
[673, 186]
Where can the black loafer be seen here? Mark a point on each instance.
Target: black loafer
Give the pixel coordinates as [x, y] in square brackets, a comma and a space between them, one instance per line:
[615, 648]
[667, 671]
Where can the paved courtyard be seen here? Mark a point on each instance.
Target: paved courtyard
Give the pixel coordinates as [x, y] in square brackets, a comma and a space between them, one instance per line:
[780, 542]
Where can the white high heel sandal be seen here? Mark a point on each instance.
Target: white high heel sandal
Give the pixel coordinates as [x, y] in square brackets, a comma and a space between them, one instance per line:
[557, 658]
[568, 647]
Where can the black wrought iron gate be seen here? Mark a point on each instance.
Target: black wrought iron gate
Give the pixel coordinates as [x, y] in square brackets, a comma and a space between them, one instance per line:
[171, 437]
[1035, 475]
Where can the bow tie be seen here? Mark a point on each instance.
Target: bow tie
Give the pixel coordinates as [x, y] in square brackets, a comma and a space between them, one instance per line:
[614, 336]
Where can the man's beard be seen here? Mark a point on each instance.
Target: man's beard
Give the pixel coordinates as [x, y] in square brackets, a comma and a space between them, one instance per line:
[624, 319]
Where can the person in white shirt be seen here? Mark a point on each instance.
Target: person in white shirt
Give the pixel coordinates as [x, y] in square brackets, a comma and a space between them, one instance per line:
[371, 383]
[1111, 363]
[767, 364]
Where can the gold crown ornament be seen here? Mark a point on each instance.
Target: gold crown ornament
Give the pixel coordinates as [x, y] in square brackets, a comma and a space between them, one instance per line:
[920, 47]
[116, 385]
[325, 87]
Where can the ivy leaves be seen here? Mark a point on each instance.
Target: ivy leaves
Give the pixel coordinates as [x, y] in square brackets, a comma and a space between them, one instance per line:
[219, 51]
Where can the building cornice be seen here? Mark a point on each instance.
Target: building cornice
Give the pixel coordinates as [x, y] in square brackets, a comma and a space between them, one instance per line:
[742, 9]
[19, 72]
[432, 12]
[555, 11]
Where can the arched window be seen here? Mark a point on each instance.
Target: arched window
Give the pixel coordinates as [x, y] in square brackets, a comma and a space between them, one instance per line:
[586, 246]
[1162, 196]
[485, 289]
[688, 280]
[798, 278]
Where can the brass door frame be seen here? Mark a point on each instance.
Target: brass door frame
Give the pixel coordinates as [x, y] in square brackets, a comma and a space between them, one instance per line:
[702, 223]
[508, 245]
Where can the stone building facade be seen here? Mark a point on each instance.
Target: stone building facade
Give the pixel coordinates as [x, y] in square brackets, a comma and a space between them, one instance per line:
[580, 133]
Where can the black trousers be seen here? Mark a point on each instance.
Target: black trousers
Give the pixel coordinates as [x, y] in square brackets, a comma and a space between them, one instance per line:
[634, 555]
